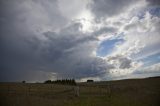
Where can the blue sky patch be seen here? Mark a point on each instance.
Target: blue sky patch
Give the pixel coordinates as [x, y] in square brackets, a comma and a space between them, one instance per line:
[152, 59]
[107, 46]
[155, 11]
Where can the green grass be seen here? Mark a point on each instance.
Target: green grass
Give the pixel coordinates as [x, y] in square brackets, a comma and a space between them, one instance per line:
[138, 92]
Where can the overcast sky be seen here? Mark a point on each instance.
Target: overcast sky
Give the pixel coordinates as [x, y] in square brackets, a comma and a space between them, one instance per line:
[81, 39]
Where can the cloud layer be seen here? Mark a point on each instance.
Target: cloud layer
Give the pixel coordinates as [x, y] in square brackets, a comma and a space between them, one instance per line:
[51, 39]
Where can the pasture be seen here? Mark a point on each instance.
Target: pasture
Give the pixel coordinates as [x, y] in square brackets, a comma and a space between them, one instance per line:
[131, 92]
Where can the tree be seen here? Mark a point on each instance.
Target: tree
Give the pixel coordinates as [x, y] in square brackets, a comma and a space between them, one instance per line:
[48, 82]
[23, 81]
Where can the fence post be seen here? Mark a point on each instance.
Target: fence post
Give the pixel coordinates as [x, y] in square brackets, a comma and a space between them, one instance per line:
[109, 90]
[8, 89]
[29, 90]
[76, 91]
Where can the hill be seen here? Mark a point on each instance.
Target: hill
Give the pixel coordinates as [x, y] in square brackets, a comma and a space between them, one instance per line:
[130, 92]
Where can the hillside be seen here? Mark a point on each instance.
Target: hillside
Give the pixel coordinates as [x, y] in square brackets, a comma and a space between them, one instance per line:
[130, 92]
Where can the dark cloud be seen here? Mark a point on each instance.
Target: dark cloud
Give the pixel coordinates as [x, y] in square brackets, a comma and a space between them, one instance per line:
[71, 52]
[37, 41]
[103, 8]
[106, 30]
[27, 52]
[20, 41]
[153, 2]
[122, 62]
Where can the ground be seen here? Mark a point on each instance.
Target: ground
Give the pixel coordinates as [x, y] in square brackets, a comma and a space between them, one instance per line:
[131, 92]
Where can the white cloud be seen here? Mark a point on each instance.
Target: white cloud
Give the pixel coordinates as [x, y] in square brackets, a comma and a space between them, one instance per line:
[73, 9]
[62, 37]
[140, 34]
[123, 65]
[77, 10]
[155, 68]
[89, 78]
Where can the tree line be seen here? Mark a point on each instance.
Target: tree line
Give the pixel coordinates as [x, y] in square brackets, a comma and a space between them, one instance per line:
[62, 81]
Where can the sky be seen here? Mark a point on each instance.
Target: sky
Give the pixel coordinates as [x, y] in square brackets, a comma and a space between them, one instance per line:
[80, 39]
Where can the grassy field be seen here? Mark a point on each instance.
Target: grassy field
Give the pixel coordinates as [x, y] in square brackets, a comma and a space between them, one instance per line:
[132, 92]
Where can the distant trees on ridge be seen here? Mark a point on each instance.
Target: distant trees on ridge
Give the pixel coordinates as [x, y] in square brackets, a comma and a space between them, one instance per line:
[63, 81]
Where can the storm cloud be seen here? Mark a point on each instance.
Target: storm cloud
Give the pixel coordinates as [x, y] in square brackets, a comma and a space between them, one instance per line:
[42, 40]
